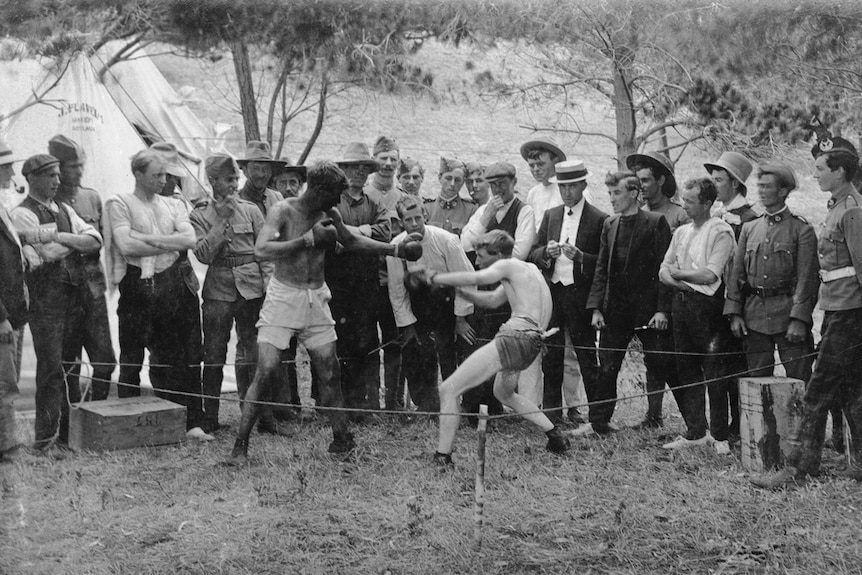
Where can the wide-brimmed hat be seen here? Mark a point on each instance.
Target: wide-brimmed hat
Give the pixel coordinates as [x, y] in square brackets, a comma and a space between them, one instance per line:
[171, 156]
[782, 173]
[734, 163]
[569, 172]
[6, 155]
[357, 153]
[288, 167]
[221, 165]
[660, 161]
[257, 151]
[543, 142]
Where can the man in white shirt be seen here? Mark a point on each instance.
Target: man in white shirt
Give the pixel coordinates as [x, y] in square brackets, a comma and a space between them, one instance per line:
[429, 320]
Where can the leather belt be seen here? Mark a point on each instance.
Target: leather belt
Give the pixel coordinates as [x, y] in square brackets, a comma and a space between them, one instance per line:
[837, 274]
[234, 261]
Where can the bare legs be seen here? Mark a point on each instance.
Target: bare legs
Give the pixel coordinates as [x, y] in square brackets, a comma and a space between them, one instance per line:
[478, 367]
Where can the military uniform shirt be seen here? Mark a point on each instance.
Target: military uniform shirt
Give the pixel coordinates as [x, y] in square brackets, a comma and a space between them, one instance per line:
[450, 215]
[840, 245]
[775, 251]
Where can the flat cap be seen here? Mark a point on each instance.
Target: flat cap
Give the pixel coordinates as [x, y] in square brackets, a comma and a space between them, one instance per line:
[500, 170]
[66, 149]
[37, 163]
[220, 165]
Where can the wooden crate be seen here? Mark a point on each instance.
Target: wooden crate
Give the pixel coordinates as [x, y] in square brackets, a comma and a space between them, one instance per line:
[770, 410]
[125, 423]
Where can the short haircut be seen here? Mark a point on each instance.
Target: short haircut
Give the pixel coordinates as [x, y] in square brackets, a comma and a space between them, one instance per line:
[847, 161]
[782, 178]
[408, 202]
[495, 242]
[407, 165]
[142, 160]
[740, 185]
[614, 178]
[535, 153]
[654, 170]
[706, 191]
[327, 175]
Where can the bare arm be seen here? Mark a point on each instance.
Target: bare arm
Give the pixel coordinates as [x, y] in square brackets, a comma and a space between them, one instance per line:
[182, 239]
[269, 245]
[484, 299]
[495, 273]
[356, 242]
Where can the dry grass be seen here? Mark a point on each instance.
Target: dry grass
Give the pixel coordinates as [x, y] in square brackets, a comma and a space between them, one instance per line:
[616, 505]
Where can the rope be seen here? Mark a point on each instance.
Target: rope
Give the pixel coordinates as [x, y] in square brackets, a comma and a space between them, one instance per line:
[435, 413]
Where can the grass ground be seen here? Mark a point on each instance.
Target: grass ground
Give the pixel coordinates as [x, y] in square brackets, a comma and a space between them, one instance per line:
[614, 505]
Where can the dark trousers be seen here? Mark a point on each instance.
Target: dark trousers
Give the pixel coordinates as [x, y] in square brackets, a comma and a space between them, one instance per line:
[837, 378]
[393, 377]
[54, 307]
[91, 331]
[570, 315]
[219, 317]
[660, 366]
[162, 315]
[797, 358]
[434, 346]
[701, 335]
[356, 325]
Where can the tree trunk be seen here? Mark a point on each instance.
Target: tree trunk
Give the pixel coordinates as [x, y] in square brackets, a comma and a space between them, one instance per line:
[624, 109]
[242, 66]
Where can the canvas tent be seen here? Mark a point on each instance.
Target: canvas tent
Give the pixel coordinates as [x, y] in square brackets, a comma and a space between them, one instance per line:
[112, 120]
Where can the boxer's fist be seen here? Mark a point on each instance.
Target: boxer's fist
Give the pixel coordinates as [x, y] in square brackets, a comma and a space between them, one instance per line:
[323, 233]
[410, 248]
[418, 279]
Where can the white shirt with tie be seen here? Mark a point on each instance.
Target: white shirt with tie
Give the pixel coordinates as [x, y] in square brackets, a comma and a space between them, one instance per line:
[564, 268]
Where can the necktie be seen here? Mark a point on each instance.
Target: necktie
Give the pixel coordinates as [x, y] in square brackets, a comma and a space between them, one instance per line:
[571, 212]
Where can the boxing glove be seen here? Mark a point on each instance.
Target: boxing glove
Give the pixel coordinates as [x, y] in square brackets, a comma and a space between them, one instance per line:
[409, 249]
[322, 235]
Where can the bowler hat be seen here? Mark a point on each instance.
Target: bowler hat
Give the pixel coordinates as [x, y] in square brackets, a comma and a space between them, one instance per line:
[543, 142]
[357, 153]
[66, 149]
[500, 170]
[656, 160]
[171, 156]
[734, 163]
[6, 155]
[569, 172]
[37, 163]
[257, 151]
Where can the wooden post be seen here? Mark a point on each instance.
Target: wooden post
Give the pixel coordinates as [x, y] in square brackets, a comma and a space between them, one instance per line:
[479, 503]
[847, 441]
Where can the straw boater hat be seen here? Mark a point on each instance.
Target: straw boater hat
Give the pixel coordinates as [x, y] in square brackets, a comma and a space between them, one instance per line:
[6, 155]
[543, 142]
[257, 151]
[569, 172]
[171, 156]
[735, 164]
[357, 153]
[660, 161]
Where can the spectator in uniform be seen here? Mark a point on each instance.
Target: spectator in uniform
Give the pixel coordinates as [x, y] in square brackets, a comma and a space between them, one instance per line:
[289, 179]
[226, 229]
[449, 210]
[838, 370]
[90, 330]
[411, 174]
[772, 286]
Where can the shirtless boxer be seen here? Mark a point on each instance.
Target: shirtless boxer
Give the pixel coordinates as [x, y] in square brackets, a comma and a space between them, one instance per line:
[296, 236]
[515, 346]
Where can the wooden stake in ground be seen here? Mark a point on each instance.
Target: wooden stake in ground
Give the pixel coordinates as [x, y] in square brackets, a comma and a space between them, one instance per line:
[479, 503]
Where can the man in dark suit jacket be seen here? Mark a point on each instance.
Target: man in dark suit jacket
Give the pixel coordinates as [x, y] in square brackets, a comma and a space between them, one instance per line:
[627, 298]
[566, 249]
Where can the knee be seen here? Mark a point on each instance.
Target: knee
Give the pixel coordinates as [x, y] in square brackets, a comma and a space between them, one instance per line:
[447, 391]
